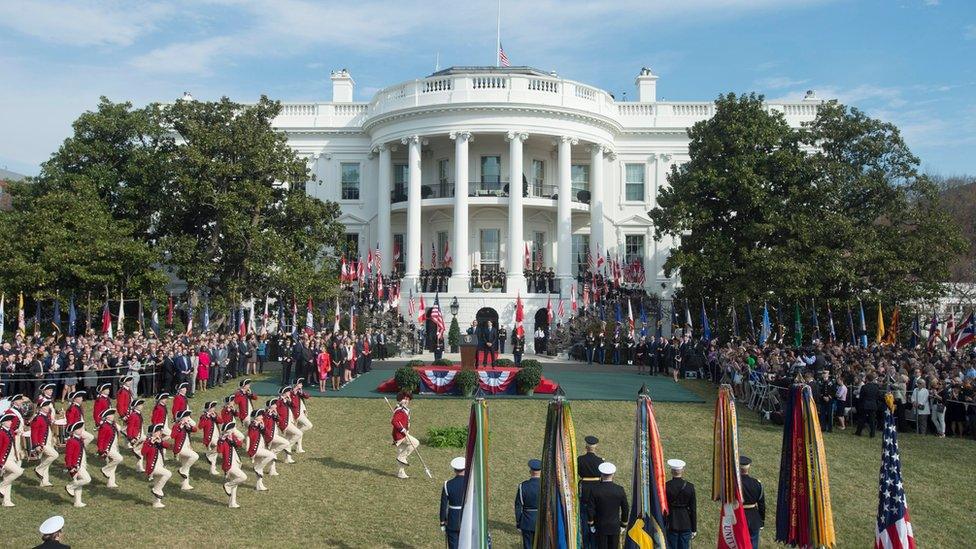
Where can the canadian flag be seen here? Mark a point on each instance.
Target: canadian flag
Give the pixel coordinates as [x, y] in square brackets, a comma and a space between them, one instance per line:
[422, 312]
[344, 270]
[572, 298]
[549, 309]
[519, 316]
[599, 257]
[361, 271]
[448, 258]
[309, 319]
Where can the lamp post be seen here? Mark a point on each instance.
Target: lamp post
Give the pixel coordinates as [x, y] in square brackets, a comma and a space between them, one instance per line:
[453, 335]
[455, 306]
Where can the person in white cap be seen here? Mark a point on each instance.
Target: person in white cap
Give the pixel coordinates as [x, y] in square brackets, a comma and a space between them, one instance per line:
[452, 501]
[52, 531]
[42, 441]
[606, 503]
[681, 523]
[76, 462]
[10, 467]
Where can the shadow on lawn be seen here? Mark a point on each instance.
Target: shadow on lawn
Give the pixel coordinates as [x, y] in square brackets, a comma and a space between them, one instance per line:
[332, 462]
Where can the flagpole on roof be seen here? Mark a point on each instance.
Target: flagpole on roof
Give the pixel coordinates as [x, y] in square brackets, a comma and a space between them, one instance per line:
[498, 36]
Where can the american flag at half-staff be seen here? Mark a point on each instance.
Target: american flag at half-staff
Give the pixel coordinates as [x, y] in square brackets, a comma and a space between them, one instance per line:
[894, 529]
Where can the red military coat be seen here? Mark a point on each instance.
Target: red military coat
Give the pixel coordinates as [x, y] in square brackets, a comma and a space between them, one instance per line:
[269, 428]
[133, 425]
[106, 436]
[123, 401]
[73, 414]
[6, 445]
[226, 415]
[40, 430]
[207, 426]
[400, 422]
[180, 434]
[296, 402]
[153, 452]
[74, 452]
[179, 404]
[242, 400]
[254, 434]
[102, 403]
[158, 413]
[282, 409]
[227, 446]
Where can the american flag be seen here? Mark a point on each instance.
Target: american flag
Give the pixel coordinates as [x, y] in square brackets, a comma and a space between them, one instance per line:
[561, 311]
[436, 317]
[433, 256]
[894, 525]
[377, 257]
[502, 58]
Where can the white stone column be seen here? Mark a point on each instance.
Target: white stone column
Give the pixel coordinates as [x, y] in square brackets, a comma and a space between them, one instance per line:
[564, 213]
[412, 242]
[461, 271]
[596, 198]
[516, 242]
[385, 173]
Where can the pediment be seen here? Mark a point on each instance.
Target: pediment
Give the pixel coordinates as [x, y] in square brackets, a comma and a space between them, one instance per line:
[636, 220]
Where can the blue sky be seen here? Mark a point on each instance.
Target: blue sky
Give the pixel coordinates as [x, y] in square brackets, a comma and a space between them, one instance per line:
[911, 62]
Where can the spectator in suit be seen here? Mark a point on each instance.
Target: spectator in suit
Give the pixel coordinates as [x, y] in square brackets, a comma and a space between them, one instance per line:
[870, 395]
[487, 338]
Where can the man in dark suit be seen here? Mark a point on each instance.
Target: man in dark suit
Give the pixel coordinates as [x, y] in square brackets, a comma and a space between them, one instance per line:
[527, 504]
[753, 501]
[452, 501]
[681, 522]
[868, 404]
[487, 336]
[607, 508]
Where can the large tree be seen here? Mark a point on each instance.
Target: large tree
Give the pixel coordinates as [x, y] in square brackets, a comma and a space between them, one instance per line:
[835, 210]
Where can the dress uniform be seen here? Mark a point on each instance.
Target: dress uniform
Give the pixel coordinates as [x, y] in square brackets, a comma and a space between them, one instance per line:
[606, 502]
[405, 442]
[588, 468]
[154, 458]
[75, 413]
[257, 449]
[133, 430]
[681, 522]
[42, 441]
[272, 438]
[125, 396]
[753, 501]
[102, 402]
[286, 423]
[231, 463]
[51, 532]
[527, 504]
[228, 412]
[76, 462]
[208, 426]
[46, 393]
[108, 446]
[181, 446]
[9, 464]
[159, 415]
[299, 412]
[243, 398]
[180, 402]
[452, 502]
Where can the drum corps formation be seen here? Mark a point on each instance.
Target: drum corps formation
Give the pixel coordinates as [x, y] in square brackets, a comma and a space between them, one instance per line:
[227, 434]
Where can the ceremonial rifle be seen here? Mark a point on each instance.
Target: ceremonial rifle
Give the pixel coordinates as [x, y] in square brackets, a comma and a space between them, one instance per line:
[415, 448]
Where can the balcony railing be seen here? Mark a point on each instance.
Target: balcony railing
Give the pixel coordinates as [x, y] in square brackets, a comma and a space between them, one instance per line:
[489, 189]
[437, 190]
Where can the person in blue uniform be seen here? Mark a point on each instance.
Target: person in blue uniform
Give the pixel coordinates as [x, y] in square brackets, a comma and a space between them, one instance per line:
[527, 504]
[607, 509]
[681, 522]
[753, 501]
[588, 468]
[452, 501]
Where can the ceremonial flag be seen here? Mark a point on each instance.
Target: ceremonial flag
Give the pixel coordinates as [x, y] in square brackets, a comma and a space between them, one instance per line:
[205, 322]
[378, 258]
[689, 328]
[894, 524]
[519, 316]
[56, 317]
[352, 318]
[752, 322]
[561, 311]
[343, 269]
[643, 319]
[558, 517]
[830, 324]
[21, 323]
[241, 326]
[265, 317]
[294, 316]
[422, 312]
[816, 322]
[891, 334]
[649, 504]
[735, 321]
[473, 533]
[189, 319]
[309, 320]
[733, 530]
[437, 317]
[706, 326]
[599, 258]
[448, 258]
[803, 513]
[880, 332]
[549, 309]
[630, 318]
[3, 299]
[251, 324]
[589, 260]
[169, 311]
[966, 334]
[916, 333]
[379, 287]
[106, 321]
[528, 259]
[797, 327]
[335, 325]
[850, 326]
[410, 305]
[934, 332]
[369, 261]
[572, 297]
[950, 341]
[154, 317]
[72, 317]
[361, 271]
[864, 328]
[766, 328]
[121, 314]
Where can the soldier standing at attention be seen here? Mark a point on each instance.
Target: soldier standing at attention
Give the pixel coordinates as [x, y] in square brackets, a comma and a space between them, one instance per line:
[681, 523]
[452, 501]
[588, 468]
[607, 504]
[753, 501]
[527, 504]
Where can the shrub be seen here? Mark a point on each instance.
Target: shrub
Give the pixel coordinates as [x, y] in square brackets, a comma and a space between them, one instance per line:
[407, 379]
[531, 363]
[443, 362]
[504, 362]
[447, 437]
[414, 363]
[454, 334]
[527, 379]
[467, 382]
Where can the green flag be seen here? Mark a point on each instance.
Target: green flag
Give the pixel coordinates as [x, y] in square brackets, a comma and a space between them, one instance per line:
[797, 328]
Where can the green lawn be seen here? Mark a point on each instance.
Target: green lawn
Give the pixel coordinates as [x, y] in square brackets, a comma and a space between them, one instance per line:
[342, 492]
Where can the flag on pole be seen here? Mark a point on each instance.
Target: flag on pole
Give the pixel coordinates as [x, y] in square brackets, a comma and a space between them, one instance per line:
[121, 314]
[916, 333]
[519, 316]
[154, 317]
[830, 323]
[966, 333]
[891, 334]
[894, 523]
[352, 317]
[251, 325]
[241, 325]
[343, 269]
[378, 258]
[797, 326]
[169, 311]
[473, 533]
[549, 315]
[706, 326]
[56, 317]
[558, 517]
[561, 310]
[205, 323]
[864, 327]
[21, 323]
[572, 298]
[643, 319]
[689, 327]
[335, 323]
[950, 340]
[645, 527]
[767, 327]
[422, 311]
[411, 310]
[726, 482]
[880, 332]
[448, 258]
[934, 331]
[528, 258]
[294, 317]
[309, 317]
[106, 321]
[72, 317]
[437, 317]
[189, 319]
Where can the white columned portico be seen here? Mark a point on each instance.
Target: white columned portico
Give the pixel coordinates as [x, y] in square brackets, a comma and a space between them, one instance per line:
[516, 242]
[596, 198]
[564, 215]
[412, 268]
[461, 270]
[385, 173]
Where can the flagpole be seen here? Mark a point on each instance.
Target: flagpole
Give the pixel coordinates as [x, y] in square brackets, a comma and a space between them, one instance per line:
[498, 36]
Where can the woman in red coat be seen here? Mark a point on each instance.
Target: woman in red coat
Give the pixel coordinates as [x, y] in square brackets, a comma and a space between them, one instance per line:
[324, 362]
[203, 372]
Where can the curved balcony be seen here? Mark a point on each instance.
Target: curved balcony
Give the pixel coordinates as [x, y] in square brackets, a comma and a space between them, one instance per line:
[535, 194]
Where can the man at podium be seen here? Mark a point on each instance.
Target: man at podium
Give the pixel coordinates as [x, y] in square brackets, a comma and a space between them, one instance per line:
[487, 339]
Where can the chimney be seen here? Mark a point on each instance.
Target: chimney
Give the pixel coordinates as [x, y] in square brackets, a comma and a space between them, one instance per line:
[646, 86]
[342, 85]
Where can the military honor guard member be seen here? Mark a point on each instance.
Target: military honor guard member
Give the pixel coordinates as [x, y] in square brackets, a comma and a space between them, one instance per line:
[76, 413]
[272, 438]
[181, 446]
[108, 446]
[452, 501]
[527, 504]
[208, 427]
[51, 531]
[76, 462]
[19, 426]
[180, 401]
[154, 459]
[159, 414]
[10, 468]
[102, 402]
[299, 412]
[42, 441]
[753, 501]
[133, 430]
[607, 508]
[681, 522]
[404, 442]
[46, 393]
[243, 399]
[286, 423]
[124, 397]
[588, 468]
[228, 412]
[231, 463]
[257, 449]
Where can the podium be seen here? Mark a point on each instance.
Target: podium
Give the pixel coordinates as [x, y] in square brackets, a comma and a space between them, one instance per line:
[469, 352]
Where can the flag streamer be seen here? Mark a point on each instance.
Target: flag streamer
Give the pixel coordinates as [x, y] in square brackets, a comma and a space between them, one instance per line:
[726, 482]
[474, 515]
[558, 517]
[649, 504]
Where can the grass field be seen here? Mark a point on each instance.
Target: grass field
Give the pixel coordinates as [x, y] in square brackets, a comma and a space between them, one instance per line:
[342, 492]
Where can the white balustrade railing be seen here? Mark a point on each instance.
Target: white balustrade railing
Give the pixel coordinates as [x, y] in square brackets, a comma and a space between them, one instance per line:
[585, 92]
[538, 84]
[438, 84]
[299, 109]
[489, 82]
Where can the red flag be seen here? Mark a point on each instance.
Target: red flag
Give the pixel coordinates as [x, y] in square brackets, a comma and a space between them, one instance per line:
[422, 312]
[448, 258]
[549, 308]
[572, 297]
[361, 270]
[343, 270]
[528, 260]
[169, 311]
[411, 309]
[599, 258]
[562, 308]
[369, 260]
[106, 320]
[519, 316]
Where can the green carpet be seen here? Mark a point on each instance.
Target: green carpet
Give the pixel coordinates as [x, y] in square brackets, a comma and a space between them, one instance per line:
[578, 385]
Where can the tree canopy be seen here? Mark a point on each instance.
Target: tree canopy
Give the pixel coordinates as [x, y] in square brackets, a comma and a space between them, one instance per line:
[834, 210]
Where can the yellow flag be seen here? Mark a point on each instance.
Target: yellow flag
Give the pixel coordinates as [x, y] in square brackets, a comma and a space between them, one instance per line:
[881, 331]
[21, 324]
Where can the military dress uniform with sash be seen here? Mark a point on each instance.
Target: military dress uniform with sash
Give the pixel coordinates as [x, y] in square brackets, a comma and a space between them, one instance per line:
[754, 503]
[452, 501]
[587, 466]
[527, 510]
[682, 520]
